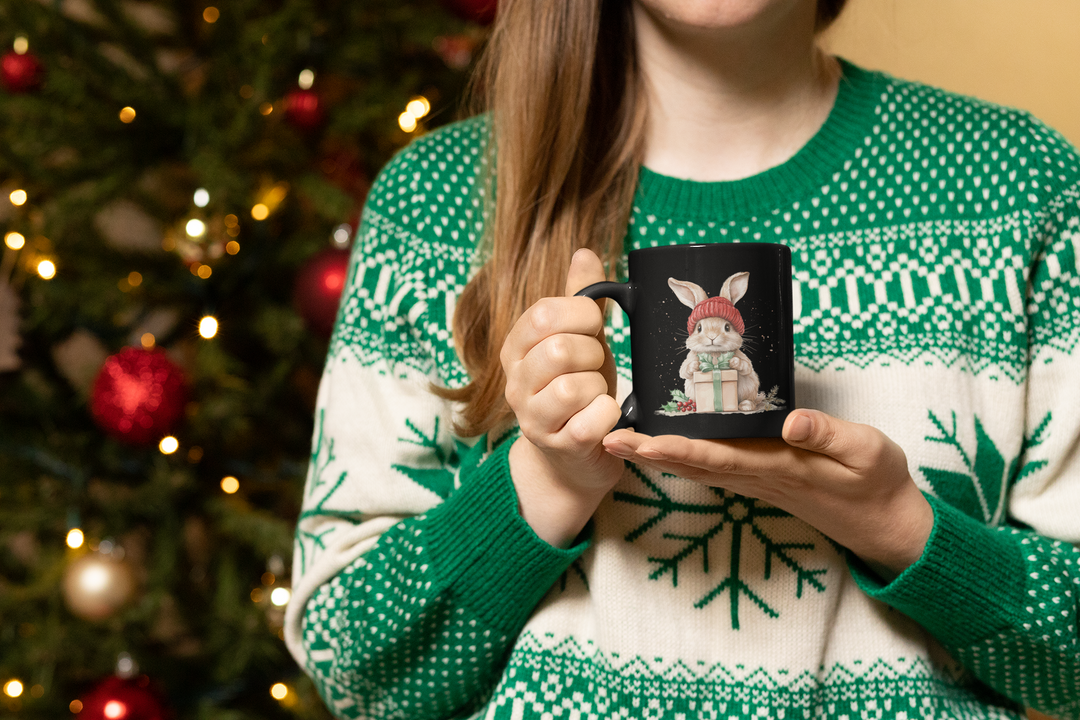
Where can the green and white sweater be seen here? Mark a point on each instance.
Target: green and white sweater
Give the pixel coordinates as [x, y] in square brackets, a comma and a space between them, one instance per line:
[936, 248]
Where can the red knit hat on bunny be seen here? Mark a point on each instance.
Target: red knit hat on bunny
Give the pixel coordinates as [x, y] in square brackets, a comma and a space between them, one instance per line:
[715, 307]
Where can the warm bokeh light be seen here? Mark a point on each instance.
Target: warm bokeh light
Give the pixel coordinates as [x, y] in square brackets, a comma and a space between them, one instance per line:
[266, 108]
[418, 107]
[208, 326]
[260, 212]
[134, 279]
[306, 79]
[280, 596]
[46, 269]
[279, 691]
[231, 220]
[75, 538]
[407, 121]
[148, 340]
[232, 247]
[230, 484]
[17, 197]
[195, 228]
[21, 45]
[115, 710]
[75, 707]
[127, 115]
[14, 688]
[246, 91]
[202, 197]
[211, 14]
[268, 578]
[14, 240]
[257, 595]
[204, 271]
[168, 445]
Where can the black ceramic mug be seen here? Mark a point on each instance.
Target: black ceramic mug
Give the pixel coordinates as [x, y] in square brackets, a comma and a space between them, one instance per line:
[710, 339]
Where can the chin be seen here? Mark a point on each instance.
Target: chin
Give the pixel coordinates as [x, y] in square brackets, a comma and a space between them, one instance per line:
[716, 14]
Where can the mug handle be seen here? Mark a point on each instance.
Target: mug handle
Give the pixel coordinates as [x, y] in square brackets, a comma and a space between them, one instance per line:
[624, 294]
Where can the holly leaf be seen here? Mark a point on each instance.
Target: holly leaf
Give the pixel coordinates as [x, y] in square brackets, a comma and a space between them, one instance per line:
[990, 470]
[438, 480]
[957, 489]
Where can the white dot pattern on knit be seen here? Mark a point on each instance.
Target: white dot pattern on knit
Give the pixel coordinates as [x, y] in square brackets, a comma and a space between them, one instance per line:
[383, 626]
[1020, 663]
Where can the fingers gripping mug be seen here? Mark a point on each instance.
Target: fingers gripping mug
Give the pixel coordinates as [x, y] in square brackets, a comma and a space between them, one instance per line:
[710, 337]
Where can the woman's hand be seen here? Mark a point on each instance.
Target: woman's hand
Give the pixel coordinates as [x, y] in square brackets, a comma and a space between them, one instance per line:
[848, 480]
[560, 383]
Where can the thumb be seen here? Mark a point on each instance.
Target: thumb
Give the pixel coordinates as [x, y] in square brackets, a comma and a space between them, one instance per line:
[585, 269]
[814, 430]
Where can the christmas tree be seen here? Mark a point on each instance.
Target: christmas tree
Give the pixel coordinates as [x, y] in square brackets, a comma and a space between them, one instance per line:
[179, 185]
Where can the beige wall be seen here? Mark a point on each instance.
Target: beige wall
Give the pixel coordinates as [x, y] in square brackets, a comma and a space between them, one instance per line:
[1022, 53]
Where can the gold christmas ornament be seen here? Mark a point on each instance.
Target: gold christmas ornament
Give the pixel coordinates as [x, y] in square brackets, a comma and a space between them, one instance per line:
[96, 585]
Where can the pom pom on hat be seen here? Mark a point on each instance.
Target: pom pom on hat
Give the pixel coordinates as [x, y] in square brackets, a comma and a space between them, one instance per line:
[715, 307]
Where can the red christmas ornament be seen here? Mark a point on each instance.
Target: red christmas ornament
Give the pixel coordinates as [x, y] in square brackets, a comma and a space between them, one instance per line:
[303, 109]
[20, 73]
[318, 289]
[478, 11]
[138, 395]
[118, 699]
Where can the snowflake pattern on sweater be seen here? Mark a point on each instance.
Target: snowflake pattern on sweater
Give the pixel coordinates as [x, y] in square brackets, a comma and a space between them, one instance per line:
[936, 253]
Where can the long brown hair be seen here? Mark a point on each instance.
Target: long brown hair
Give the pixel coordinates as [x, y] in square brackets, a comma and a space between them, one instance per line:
[567, 110]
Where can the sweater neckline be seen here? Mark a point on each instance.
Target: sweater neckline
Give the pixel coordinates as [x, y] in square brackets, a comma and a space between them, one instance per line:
[835, 141]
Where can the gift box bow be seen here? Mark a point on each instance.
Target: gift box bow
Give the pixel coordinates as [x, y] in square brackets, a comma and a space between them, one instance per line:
[712, 363]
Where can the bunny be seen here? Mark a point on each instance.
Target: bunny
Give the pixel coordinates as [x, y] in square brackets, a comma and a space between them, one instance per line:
[716, 327]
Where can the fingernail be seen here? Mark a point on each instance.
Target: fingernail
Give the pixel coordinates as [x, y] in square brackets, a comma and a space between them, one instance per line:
[619, 449]
[651, 454]
[800, 429]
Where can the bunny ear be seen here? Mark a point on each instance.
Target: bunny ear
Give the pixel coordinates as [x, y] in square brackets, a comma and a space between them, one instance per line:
[688, 293]
[735, 287]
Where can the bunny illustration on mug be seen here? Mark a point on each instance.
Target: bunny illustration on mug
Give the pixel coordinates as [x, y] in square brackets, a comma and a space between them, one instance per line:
[719, 376]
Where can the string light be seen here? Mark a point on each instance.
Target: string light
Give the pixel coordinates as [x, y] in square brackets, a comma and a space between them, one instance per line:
[306, 80]
[13, 688]
[46, 269]
[14, 240]
[195, 228]
[168, 445]
[21, 45]
[115, 710]
[208, 327]
[266, 108]
[148, 340]
[260, 212]
[127, 115]
[75, 538]
[17, 197]
[232, 247]
[202, 197]
[211, 14]
[280, 596]
[229, 485]
[279, 691]
[75, 707]
[418, 107]
[204, 271]
[407, 121]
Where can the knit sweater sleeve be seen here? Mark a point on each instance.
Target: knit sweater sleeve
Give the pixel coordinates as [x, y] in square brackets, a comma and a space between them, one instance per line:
[1004, 599]
[413, 570]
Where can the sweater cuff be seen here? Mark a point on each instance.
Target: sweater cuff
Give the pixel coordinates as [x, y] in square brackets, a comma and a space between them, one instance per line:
[965, 587]
[484, 552]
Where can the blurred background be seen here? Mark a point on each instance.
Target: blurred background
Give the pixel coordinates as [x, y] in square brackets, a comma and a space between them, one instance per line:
[180, 182]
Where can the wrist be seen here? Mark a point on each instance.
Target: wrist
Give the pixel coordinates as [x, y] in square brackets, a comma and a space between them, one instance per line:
[903, 533]
[554, 507]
